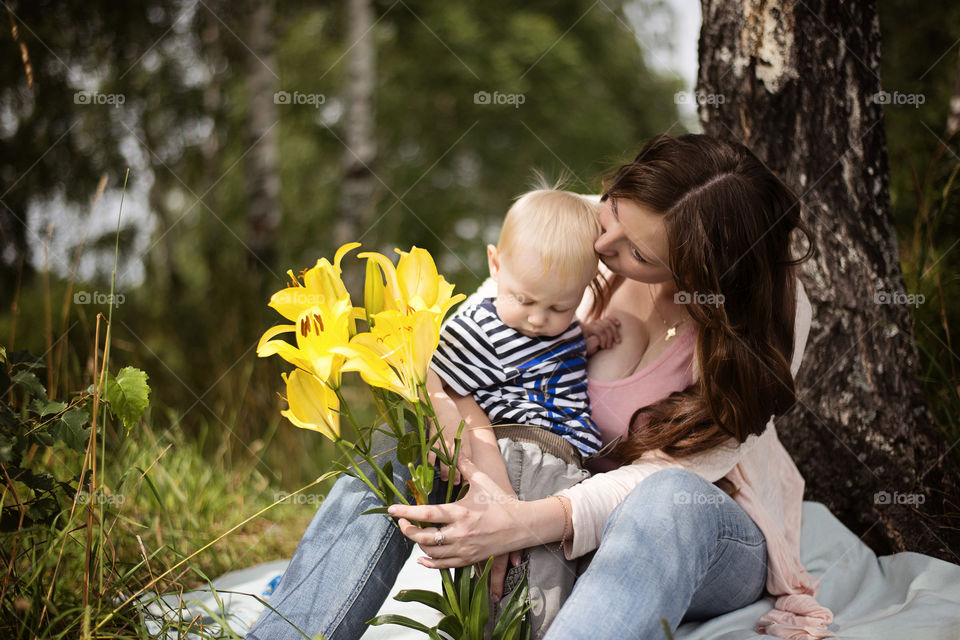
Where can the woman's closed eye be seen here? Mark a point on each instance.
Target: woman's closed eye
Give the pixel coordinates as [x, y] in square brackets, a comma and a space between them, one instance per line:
[637, 256]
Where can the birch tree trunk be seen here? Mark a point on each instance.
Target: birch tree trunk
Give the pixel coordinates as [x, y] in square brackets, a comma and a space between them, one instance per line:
[355, 202]
[796, 82]
[263, 177]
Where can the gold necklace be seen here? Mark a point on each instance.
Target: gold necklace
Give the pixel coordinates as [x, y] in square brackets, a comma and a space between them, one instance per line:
[671, 330]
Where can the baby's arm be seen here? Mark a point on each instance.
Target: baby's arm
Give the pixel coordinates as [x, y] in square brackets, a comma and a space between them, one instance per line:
[601, 334]
[448, 421]
[486, 456]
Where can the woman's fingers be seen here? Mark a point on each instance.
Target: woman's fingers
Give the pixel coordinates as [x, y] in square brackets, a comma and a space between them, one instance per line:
[497, 573]
[423, 512]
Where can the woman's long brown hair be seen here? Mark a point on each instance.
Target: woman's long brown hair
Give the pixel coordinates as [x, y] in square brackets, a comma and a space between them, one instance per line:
[729, 224]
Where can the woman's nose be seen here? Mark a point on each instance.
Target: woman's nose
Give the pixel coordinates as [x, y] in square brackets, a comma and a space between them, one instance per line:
[604, 243]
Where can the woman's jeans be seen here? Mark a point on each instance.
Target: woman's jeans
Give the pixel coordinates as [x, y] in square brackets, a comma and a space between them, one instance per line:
[678, 548]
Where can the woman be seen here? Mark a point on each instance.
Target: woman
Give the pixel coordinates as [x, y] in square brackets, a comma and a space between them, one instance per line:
[697, 233]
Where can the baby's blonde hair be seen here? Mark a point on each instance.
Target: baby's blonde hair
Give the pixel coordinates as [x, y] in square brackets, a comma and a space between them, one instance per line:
[561, 226]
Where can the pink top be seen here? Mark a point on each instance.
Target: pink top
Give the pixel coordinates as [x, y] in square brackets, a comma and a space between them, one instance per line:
[770, 486]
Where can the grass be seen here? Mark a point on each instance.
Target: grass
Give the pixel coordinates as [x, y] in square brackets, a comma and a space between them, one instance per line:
[164, 500]
[133, 513]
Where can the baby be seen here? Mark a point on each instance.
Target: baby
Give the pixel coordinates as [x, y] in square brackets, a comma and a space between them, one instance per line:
[522, 356]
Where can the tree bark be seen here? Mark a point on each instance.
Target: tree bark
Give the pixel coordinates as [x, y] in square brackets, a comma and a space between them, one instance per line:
[796, 83]
[263, 176]
[355, 203]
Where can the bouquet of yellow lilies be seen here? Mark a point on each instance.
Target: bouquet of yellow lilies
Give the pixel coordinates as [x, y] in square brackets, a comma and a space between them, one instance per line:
[404, 307]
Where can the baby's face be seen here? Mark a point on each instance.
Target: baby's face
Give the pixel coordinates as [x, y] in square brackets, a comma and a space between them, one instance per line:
[531, 301]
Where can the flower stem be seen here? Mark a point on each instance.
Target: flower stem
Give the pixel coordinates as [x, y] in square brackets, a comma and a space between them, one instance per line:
[360, 473]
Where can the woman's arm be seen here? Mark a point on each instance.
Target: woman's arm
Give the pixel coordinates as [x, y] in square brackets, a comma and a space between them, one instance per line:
[486, 522]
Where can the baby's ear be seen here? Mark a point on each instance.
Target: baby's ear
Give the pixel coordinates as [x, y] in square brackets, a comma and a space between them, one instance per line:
[493, 260]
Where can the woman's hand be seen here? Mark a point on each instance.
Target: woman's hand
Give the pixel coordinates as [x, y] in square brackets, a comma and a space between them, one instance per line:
[486, 522]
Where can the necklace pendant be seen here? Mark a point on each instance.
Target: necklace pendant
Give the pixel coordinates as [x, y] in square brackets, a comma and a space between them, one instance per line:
[671, 332]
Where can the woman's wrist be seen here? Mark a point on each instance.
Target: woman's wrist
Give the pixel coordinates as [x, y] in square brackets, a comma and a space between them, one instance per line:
[543, 521]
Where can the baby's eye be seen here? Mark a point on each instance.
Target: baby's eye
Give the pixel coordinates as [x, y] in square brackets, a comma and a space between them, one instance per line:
[637, 256]
[556, 310]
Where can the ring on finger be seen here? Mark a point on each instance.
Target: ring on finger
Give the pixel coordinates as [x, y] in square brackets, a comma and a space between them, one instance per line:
[438, 538]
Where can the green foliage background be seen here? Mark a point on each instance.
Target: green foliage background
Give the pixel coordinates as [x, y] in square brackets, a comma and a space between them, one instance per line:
[445, 171]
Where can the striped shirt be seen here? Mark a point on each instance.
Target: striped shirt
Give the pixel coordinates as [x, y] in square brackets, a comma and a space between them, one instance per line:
[518, 379]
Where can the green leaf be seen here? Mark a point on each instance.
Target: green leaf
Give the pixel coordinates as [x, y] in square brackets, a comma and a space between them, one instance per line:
[450, 591]
[429, 598]
[128, 395]
[479, 604]
[28, 380]
[382, 510]
[464, 579]
[451, 626]
[47, 407]
[403, 621]
[511, 621]
[70, 428]
[408, 448]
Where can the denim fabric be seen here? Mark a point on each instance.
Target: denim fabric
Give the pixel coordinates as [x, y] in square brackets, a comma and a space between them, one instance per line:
[345, 565]
[677, 548]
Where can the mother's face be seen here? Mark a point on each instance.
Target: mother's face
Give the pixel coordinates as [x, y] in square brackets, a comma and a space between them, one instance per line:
[633, 242]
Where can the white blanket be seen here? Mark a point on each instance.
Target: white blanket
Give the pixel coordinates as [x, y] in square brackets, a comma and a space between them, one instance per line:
[905, 596]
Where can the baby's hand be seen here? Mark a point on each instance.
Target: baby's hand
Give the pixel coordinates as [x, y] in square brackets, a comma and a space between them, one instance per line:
[601, 334]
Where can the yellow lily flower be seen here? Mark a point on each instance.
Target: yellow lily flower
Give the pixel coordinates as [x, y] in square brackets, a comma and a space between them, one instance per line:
[318, 330]
[413, 285]
[395, 353]
[322, 286]
[313, 404]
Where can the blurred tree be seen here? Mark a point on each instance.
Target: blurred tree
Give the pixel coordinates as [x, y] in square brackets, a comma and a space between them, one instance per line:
[801, 88]
[241, 187]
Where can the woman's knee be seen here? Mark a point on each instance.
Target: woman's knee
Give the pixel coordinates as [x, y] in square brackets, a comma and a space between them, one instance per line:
[671, 498]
